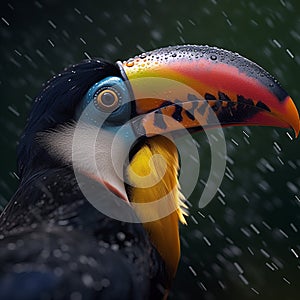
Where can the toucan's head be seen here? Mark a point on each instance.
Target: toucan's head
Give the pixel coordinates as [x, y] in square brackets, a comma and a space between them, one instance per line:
[115, 123]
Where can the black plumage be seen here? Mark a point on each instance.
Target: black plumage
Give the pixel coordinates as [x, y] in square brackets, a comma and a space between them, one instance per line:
[53, 243]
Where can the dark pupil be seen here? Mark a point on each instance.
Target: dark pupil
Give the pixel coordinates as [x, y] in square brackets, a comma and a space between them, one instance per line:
[108, 99]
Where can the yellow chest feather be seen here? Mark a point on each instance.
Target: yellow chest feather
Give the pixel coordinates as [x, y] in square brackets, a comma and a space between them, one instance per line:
[153, 174]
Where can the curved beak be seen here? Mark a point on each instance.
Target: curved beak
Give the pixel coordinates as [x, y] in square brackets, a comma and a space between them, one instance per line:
[190, 84]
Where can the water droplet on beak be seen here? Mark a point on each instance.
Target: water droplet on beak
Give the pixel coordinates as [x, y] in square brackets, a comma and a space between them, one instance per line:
[130, 63]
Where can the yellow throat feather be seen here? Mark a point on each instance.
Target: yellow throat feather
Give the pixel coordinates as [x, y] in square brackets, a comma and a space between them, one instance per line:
[153, 173]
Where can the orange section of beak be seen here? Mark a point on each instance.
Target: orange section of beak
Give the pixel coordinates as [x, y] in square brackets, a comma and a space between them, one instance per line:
[291, 116]
[284, 114]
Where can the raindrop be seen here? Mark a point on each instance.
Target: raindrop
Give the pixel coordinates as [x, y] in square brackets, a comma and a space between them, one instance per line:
[254, 228]
[51, 43]
[221, 200]
[207, 241]
[194, 219]
[276, 146]
[89, 19]
[294, 227]
[66, 34]
[234, 142]
[77, 10]
[82, 40]
[229, 160]
[211, 219]
[265, 253]
[213, 57]
[229, 240]
[253, 22]
[294, 252]
[17, 52]
[266, 225]
[283, 3]
[15, 62]
[255, 291]
[221, 192]
[52, 24]
[283, 233]
[238, 267]
[203, 216]
[288, 51]
[246, 134]
[118, 41]
[223, 287]
[277, 43]
[5, 21]
[193, 271]
[244, 280]
[292, 165]
[87, 55]
[246, 232]
[251, 251]
[292, 187]
[40, 53]
[11, 7]
[127, 18]
[14, 111]
[219, 231]
[270, 266]
[228, 22]
[280, 160]
[130, 63]
[290, 137]
[202, 286]
[139, 47]
[274, 266]
[192, 22]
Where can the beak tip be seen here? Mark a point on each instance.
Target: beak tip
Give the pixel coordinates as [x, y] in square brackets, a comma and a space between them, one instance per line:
[293, 116]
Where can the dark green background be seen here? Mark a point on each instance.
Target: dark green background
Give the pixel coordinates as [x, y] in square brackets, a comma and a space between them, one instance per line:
[43, 37]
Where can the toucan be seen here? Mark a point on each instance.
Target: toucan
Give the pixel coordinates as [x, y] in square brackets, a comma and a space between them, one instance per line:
[97, 209]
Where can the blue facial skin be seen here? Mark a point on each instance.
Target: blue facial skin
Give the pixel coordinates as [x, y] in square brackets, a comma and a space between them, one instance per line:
[116, 122]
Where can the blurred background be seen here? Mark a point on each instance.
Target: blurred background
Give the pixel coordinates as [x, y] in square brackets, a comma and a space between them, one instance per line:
[246, 243]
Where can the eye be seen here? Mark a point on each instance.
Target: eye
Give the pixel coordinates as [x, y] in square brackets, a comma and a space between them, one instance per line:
[107, 99]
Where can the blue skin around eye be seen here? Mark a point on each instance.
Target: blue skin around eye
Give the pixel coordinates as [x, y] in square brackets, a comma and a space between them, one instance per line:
[91, 114]
[87, 111]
